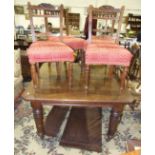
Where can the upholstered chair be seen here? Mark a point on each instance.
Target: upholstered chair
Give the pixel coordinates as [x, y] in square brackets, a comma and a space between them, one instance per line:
[104, 48]
[48, 51]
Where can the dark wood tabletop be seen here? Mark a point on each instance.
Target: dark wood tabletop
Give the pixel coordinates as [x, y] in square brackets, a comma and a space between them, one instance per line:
[56, 91]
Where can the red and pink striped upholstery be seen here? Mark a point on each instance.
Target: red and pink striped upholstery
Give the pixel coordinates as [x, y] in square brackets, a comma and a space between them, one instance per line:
[74, 43]
[108, 54]
[47, 51]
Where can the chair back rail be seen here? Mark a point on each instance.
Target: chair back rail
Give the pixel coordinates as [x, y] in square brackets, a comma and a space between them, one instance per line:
[45, 12]
[106, 13]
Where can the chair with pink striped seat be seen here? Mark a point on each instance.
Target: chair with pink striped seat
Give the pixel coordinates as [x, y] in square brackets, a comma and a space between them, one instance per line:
[109, 18]
[47, 51]
[104, 49]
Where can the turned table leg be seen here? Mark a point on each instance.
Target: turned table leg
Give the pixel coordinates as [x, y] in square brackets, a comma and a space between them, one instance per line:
[116, 114]
[38, 117]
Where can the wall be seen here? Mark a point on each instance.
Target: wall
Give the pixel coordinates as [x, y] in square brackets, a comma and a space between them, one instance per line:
[78, 6]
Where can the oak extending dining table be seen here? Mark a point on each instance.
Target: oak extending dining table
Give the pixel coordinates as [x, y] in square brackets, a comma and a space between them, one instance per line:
[86, 104]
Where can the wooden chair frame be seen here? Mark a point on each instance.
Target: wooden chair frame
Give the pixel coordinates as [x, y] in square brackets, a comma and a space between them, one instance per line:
[50, 12]
[106, 12]
[46, 12]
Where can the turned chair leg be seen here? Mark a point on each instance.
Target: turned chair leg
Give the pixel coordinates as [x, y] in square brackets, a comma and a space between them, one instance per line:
[66, 71]
[123, 77]
[87, 76]
[82, 61]
[111, 71]
[34, 75]
[49, 65]
[37, 69]
[70, 73]
[58, 68]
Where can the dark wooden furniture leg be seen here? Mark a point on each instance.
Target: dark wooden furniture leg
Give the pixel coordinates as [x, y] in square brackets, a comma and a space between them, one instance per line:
[87, 72]
[116, 114]
[70, 73]
[34, 75]
[123, 77]
[66, 71]
[49, 65]
[82, 61]
[37, 69]
[38, 117]
[58, 68]
[111, 70]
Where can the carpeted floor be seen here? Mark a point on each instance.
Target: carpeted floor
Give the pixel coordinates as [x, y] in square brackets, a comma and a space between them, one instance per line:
[28, 143]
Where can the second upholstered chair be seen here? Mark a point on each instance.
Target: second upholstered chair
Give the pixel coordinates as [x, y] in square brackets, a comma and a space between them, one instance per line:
[104, 49]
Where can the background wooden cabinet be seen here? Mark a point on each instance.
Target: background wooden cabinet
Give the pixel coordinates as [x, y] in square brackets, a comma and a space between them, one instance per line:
[73, 19]
[134, 22]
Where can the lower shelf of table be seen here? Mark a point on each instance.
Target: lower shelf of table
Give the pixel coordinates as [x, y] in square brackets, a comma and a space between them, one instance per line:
[83, 129]
[54, 120]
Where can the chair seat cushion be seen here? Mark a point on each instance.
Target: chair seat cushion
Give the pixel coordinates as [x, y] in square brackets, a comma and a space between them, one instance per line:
[110, 54]
[47, 51]
[74, 43]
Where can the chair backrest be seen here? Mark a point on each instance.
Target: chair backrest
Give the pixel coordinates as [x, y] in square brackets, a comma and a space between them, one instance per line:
[94, 24]
[46, 11]
[111, 17]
